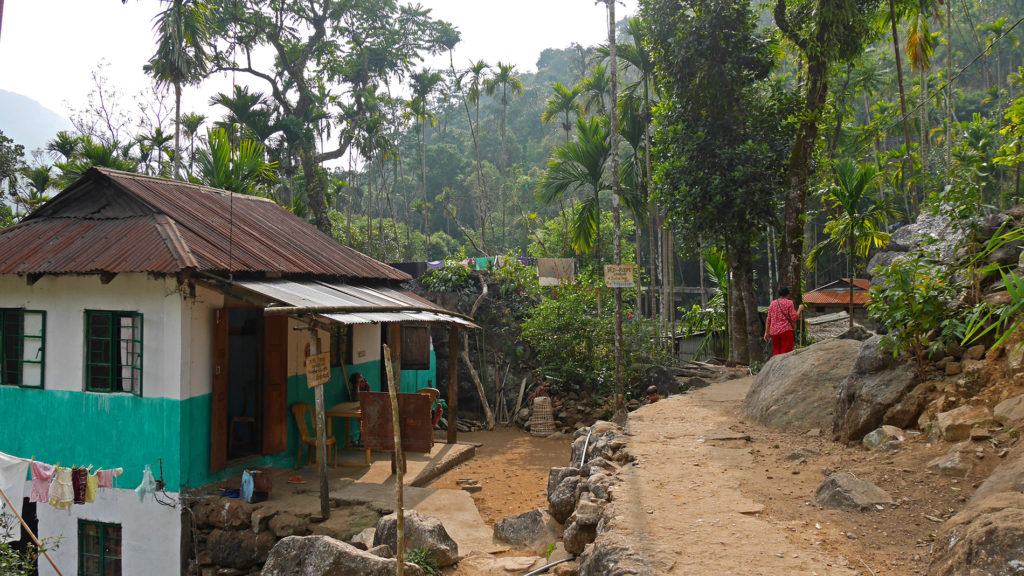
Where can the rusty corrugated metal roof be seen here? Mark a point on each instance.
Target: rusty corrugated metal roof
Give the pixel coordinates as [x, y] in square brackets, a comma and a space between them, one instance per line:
[137, 223]
[860, 298]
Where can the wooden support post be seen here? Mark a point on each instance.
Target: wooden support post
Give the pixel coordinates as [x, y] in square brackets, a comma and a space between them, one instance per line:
[453, 384]
[395, 345]
[399, 460]
[321, 435]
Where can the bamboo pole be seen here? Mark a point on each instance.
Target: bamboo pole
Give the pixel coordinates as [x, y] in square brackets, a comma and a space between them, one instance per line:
[30, 533]
[399, 466]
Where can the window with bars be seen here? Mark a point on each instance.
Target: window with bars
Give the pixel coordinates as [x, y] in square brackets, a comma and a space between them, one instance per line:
[22, 347]
[113, 351]
[99, 549]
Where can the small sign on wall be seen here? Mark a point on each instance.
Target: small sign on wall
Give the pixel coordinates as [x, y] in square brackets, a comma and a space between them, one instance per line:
[318, 370]
[618, 276]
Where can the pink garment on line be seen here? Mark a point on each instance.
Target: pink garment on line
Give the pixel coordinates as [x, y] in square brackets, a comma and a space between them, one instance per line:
[106, 477]
[41, 476]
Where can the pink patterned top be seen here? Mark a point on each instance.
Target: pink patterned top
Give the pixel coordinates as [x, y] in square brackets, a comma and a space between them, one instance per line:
[781, 315]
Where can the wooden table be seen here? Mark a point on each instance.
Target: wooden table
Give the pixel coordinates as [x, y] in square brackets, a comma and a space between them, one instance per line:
[347, 411]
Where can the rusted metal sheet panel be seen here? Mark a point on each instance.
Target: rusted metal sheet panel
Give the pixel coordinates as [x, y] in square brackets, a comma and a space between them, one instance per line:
[213, 231]
[315, 293]
[74, 246]
[414, 422]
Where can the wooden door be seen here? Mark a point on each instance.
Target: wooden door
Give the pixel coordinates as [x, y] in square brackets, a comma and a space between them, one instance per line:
[275, 384]
[219, 398]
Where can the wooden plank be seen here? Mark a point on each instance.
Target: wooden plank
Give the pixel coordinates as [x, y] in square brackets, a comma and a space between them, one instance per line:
[219, 397]
[321, 435]
[275, 384]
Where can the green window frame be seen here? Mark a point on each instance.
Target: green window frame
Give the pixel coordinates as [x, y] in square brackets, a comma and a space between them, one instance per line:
[22, 347]
[99, 548]
[113, 351]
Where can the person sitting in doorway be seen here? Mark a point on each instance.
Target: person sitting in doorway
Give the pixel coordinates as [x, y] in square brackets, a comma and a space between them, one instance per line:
[358, 384]
[781, 319]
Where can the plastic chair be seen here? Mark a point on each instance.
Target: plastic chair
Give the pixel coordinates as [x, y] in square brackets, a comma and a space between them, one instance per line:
[434, 394]
[301, 410]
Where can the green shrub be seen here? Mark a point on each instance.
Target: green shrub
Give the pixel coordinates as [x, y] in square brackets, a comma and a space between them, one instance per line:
[452, 276]
[422, 558]
[913, 301]
[576, 344]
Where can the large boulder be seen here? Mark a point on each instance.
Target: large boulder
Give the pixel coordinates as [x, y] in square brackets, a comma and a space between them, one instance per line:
[983, 539]
[611, 555]
[239, 549]
[577, 537]
[844, 490]
[325, 556]
[930, 232]
[533, 531]
[1010, 412]
[956, 424]
[562, 501]
[873, 387]
[797, 391]
[421, 531]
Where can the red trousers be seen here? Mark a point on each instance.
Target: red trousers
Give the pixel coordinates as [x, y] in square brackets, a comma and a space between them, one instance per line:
[782, 343]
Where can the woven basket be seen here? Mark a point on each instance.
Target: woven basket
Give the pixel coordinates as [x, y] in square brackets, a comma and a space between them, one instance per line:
[543, 421]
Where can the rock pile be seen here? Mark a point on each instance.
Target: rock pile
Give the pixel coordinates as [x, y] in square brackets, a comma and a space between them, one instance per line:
[580, 497]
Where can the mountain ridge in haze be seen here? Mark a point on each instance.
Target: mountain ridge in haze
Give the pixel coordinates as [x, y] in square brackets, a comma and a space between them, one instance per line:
[28, 122]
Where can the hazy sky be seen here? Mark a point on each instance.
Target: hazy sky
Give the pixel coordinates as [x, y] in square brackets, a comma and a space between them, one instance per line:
[49, 48]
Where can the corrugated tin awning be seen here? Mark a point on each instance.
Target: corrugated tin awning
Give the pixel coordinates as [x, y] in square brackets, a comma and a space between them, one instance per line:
[320, 297]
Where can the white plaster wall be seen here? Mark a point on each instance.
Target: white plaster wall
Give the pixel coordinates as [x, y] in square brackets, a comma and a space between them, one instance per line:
[298, 340]
[197, 341]
[365, 343]
[65, 300]
[146, 530]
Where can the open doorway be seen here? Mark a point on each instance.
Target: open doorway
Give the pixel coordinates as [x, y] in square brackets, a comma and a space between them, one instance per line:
[245, 382]
[248, 412]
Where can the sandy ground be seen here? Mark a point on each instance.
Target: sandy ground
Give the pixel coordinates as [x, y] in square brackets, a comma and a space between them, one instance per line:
[712, 494]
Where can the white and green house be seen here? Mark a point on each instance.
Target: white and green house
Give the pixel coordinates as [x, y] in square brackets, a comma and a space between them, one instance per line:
[134, 333]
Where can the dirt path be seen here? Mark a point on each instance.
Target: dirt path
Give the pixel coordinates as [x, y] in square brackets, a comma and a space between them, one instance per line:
[682, 503]
[712, 494]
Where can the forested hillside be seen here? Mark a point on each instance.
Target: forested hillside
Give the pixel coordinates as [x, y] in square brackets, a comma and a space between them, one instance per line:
[779, 135]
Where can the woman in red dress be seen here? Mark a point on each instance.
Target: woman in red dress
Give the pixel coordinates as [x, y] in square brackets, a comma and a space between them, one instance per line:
[779, 327]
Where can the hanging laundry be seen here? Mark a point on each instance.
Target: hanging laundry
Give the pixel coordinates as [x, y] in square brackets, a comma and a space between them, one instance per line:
[148, 485]
[62, 493]
[12, 482]
[41, 476]
[91, 483]
[105, 478]
[79, 477]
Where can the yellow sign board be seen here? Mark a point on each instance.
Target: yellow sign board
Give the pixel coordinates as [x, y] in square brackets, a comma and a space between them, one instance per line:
[618, 276]
[318, 370]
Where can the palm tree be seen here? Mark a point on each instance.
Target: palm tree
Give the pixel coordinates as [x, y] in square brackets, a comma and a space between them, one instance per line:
[40, 181]
[157, 141]
[424, 83]
[508, 82]
[64, 146]
[852, 226]
[191, 124]
[249, 115]
[477, 76]
[594, 90]
[562, 101]
[244, 169]
[180, 57]
[580, 165]
[89, 153]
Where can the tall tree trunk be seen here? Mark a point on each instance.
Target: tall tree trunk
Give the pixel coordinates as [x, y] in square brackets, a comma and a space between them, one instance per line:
[739, 347]
[949, 93]
[849, 270]
[620, 406]
[177, 130]
[754, 331]
[908, 163]
[426, 201]
[797, 176]
[314, 187]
